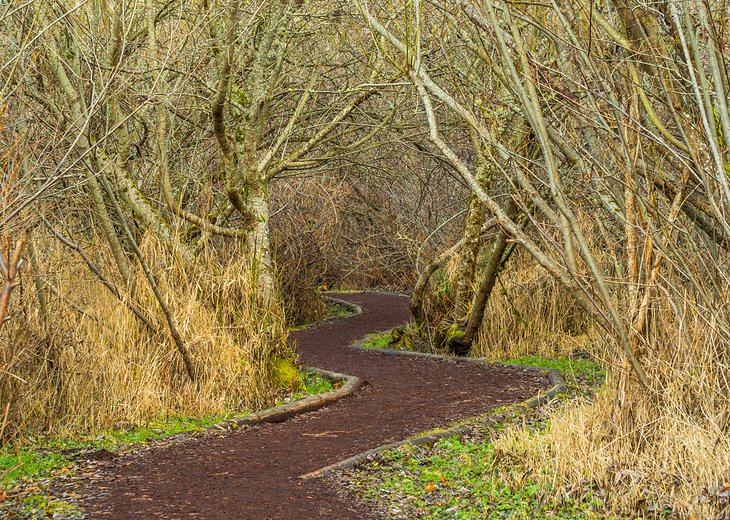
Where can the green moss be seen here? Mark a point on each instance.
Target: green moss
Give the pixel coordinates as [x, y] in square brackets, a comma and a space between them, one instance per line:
[26, 464]
[286, 375]
[454, 332]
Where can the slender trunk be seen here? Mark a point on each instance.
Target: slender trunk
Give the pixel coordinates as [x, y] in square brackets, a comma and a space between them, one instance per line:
[37, 281]
[152, 280]
[468, 255]
[9, 273]
[77, 118]
[416, 301]
[103, 279]
[258, 242]
[489, 278]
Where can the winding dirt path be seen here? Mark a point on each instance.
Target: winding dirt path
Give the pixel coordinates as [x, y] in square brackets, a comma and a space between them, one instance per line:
[252, 473]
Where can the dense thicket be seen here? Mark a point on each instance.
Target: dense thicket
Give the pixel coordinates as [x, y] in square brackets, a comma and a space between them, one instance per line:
[604, 132]
[178, 178]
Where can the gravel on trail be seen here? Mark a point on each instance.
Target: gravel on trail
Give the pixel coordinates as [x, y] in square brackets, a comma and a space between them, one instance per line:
[252, 473]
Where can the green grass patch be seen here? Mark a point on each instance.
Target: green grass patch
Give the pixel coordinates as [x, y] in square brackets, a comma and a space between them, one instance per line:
[461, 480]
[337, 309]
[334, 310]
[469, 479]
[314, 384]
[576, 370]
[571, 367]
[378, 340]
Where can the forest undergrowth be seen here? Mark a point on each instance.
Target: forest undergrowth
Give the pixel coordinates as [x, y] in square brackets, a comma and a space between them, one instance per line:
[92, 364]
[655, 452]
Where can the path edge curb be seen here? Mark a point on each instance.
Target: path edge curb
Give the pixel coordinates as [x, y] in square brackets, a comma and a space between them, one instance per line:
[311, 403]
[555, 378]
[286, 411]
[351, 384]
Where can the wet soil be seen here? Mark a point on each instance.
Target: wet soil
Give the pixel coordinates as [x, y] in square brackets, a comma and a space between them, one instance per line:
[253, 473]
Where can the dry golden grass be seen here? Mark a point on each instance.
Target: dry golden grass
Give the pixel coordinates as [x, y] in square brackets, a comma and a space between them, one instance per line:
[668, 445]
[91, 364]
[529, 313]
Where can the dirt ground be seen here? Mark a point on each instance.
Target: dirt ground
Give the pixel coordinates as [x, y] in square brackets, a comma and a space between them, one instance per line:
[253, 473]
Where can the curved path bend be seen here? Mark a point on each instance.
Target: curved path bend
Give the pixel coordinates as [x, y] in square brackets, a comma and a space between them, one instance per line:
[252, 473]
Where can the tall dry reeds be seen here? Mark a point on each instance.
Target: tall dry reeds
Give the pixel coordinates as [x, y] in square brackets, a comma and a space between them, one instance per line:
[531, 314]
[87, 362]
[650, 449]
[666, 449]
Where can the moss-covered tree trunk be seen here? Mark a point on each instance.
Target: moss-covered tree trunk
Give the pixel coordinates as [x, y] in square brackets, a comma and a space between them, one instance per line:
[468, 254]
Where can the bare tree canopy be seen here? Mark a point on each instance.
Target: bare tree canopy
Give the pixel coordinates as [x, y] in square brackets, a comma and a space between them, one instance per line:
[182, 180]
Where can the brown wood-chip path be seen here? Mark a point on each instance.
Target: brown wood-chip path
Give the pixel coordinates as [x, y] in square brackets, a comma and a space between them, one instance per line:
[253, 473]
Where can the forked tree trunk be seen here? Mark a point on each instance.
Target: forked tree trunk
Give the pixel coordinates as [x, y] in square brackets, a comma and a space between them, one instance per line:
[416, 300]
[463, 345]
[469, 251]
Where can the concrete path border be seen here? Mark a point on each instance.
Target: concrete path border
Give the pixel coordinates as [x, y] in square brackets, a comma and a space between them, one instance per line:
[352, 384]
[555, 378]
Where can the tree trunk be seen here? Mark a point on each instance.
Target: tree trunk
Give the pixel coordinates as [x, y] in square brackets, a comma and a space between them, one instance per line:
[258, 242]
[468, 255]
[9, 273]
[463, 346]
[416, 301]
